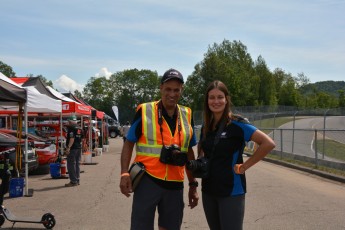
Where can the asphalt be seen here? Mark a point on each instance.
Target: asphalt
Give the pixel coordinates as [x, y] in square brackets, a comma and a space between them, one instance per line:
[97, 202]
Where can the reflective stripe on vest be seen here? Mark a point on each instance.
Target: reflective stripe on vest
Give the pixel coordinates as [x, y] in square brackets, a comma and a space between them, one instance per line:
[149, 146]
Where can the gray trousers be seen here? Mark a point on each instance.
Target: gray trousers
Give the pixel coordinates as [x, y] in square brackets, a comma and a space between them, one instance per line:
[73, 167]
[224, 213]
[149, 197]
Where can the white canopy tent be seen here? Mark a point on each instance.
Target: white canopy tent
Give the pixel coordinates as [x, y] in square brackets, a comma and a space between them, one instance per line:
[59, 95]
[35, 103]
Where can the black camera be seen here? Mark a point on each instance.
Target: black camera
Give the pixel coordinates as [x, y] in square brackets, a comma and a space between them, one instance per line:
[199, 167]
[172, 155]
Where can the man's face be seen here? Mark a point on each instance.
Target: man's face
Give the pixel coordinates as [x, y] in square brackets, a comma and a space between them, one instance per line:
[171, 92]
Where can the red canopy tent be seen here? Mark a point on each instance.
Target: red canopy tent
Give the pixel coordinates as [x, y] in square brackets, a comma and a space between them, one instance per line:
[69, 106]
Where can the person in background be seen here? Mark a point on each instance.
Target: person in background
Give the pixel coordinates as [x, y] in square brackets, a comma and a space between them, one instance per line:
[125, 130]
[73, 151]
[159, 129]
[223, 190]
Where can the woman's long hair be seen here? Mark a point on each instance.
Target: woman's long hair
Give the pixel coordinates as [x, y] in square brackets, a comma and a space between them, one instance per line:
[208, 115]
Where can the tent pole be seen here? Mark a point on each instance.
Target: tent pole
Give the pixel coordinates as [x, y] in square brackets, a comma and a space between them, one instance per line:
[60, 144]
[26, 151]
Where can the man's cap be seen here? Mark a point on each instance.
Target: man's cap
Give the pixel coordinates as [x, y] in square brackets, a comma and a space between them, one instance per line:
[172, 74]
[72, 118]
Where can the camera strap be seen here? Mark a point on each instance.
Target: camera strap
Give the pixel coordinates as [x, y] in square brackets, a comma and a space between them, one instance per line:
[217, 137]
[160, 120]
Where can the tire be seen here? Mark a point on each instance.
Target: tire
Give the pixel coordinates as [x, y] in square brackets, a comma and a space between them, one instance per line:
[113, 134]
[48, 220]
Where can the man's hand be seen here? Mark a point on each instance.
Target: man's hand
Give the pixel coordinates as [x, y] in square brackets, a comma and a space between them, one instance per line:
[126, 184]
[193, 196]
[67, 151]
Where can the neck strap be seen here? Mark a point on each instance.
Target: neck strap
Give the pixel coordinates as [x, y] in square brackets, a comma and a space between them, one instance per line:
[160, 120]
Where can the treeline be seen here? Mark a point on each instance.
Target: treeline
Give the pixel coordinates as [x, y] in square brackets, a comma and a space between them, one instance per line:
[251, 83]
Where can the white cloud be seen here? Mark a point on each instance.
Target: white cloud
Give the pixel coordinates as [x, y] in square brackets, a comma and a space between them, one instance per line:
[103, 72]
[66, 84]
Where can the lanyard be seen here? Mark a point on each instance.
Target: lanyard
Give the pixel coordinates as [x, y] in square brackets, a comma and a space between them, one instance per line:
[160, 121]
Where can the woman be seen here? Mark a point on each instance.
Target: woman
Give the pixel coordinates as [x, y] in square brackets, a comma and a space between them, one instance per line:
[223, 140]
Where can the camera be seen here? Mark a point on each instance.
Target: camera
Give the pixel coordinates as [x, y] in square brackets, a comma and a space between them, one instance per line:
[172, 155]
[199, 167]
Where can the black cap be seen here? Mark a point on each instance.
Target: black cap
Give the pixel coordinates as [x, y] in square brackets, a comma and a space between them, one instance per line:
[172, 74]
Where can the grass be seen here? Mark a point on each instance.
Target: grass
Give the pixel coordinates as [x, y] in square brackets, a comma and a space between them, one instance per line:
[333, 149]
[272, 123]
[267, 125]
[308, 165]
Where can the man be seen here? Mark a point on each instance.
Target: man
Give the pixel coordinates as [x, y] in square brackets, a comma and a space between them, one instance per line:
[160, 128]
[73, 151]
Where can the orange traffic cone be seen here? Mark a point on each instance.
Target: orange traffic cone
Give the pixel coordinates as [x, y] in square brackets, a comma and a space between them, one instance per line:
[63, 167]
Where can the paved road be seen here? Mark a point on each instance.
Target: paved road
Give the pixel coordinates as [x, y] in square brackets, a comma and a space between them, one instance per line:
[301, 141]
[277, 198]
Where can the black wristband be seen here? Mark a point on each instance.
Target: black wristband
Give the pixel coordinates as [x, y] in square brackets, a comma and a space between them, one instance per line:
[194, 184]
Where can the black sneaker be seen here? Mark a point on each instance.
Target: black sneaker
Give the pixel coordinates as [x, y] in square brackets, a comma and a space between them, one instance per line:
[70, 184]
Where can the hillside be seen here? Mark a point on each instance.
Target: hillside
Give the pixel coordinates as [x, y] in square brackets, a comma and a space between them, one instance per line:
[330, 87]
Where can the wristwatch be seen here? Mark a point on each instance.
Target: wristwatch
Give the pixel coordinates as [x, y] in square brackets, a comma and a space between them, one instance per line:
[194, 184]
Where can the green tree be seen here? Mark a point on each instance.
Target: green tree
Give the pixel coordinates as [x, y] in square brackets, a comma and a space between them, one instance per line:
[288, 95]
[192, 95]
[267, 92]
[230, 63]
[7, 70]
[78, 94]
[98, 94]
[279, 78]
[341, 99]
[131, 88]
[302, 80]
[324, 100]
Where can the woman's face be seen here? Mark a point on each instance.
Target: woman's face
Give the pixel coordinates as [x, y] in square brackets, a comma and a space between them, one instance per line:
[216, 101]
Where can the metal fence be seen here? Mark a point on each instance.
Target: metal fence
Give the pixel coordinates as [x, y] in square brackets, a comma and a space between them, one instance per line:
[322, 147]
[314, 136]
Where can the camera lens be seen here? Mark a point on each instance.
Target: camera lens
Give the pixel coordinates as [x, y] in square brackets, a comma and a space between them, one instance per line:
[193, 165]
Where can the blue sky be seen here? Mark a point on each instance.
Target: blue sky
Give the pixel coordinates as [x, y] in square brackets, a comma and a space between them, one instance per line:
[69, 42]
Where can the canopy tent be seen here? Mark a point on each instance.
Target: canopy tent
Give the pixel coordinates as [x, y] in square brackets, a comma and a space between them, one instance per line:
[68, 105]
[94, 112]
[35, 103]
[20, 80]
[10, 93]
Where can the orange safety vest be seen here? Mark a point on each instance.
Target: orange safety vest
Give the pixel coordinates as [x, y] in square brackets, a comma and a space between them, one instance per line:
[149, 146]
